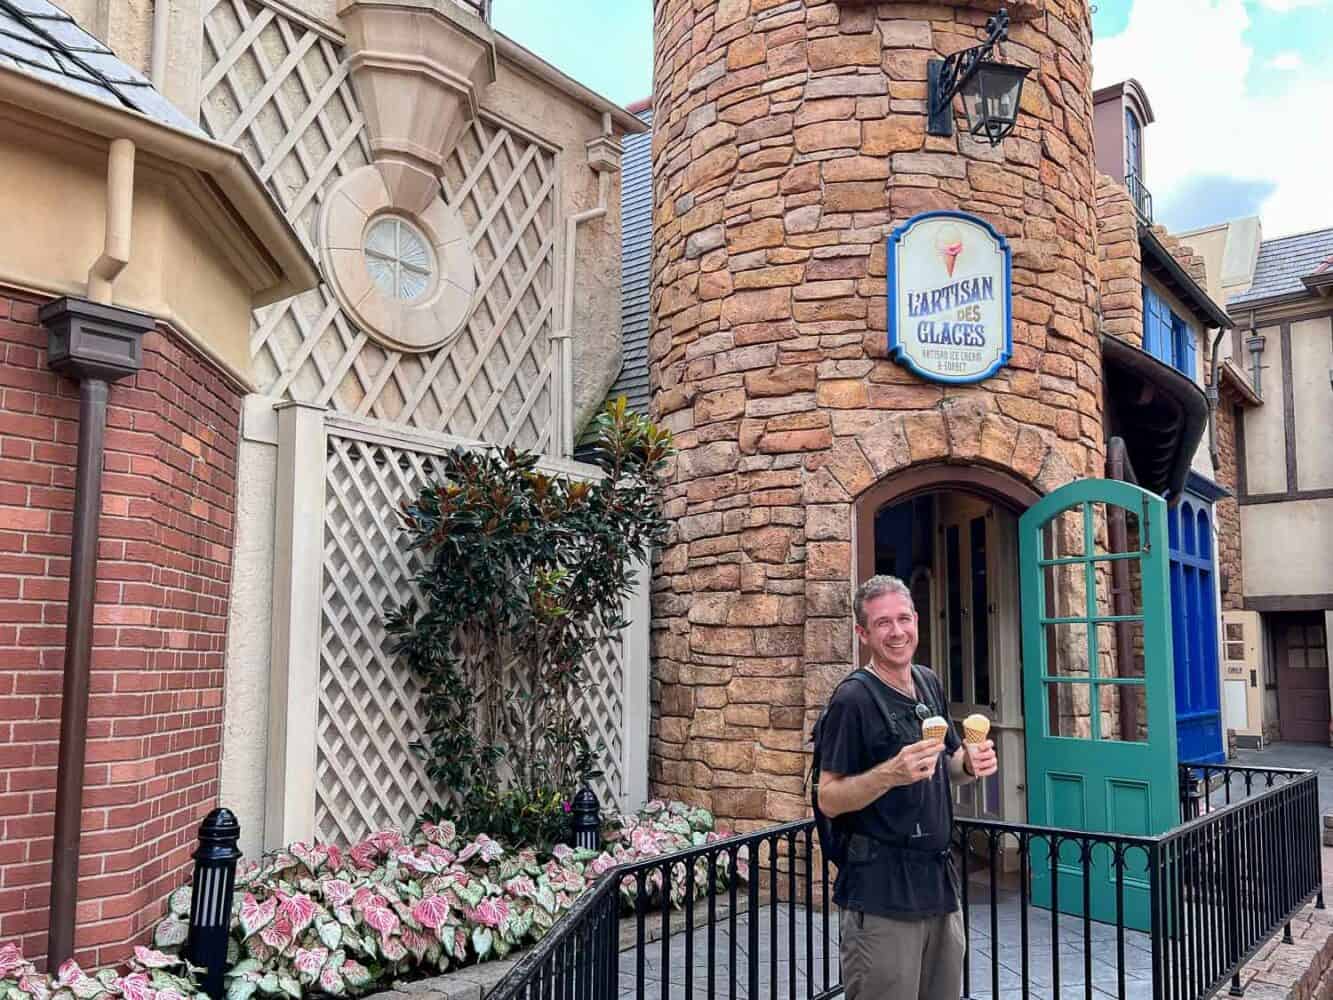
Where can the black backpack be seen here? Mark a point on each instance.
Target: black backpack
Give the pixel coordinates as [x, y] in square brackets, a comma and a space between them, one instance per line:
[832, 841]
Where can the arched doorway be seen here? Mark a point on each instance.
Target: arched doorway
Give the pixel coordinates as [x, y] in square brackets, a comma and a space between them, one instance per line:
[950, 532]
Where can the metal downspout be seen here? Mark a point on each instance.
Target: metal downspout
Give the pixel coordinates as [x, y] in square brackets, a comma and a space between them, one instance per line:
[95, 343]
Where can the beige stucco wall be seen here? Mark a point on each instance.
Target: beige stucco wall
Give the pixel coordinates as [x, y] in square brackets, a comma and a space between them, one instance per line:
[1288, 547]
[245, 727]
[1265, 437]
[524, 100]
[1312, 361]
[52, 217]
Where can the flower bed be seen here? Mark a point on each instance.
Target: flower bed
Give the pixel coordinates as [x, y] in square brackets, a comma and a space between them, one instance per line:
[323, 920]
[154, 976]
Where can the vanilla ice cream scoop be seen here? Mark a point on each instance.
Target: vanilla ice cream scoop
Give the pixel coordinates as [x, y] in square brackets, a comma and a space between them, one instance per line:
[976, 728]
[934, 728]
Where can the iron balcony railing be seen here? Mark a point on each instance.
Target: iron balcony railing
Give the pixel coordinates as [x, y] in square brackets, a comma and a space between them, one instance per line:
[1142, 197]
[752, 916]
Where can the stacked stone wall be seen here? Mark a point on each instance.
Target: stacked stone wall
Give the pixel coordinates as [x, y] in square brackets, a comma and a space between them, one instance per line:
[789, 141]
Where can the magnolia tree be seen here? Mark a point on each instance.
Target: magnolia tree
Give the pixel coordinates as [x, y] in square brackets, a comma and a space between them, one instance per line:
[525, 574]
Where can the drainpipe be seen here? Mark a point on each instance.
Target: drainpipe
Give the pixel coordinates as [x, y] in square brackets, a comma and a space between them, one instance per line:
[95, 343]
[161, 13]
[1213, 392]
[604, 158]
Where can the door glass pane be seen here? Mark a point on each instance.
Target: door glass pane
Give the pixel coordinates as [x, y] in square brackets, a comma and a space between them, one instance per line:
[1068, 710]
[1120, 649]
[1067, 649]
[1062, 535]
[954, 573]
[1124, 710]
[980, 615]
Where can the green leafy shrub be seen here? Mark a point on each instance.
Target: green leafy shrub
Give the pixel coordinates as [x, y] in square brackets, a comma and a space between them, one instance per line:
[525, 575]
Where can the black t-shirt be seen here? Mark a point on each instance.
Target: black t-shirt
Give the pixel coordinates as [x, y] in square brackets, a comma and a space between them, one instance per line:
[879, 878]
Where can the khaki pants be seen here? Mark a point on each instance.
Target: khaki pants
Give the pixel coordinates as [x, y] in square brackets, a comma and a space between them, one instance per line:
[885, 959]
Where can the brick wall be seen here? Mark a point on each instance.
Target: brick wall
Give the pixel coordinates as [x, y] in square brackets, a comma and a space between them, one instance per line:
[1120, 262]
[156, 694]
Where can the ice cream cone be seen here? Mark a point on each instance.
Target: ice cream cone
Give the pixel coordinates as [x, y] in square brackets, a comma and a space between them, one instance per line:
[934, 728]
[975, 729]
[951, 253]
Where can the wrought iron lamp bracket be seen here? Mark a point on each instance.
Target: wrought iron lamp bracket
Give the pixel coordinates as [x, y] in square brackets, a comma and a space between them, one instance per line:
[947, 76]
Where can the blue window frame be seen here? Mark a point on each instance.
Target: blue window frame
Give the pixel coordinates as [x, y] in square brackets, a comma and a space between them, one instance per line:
[1194, 631]
[1166, 336]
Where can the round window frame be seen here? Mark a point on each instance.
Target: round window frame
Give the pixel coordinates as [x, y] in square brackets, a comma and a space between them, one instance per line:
[431, 320]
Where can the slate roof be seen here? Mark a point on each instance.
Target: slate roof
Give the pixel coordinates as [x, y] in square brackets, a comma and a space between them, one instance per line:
[1283, 262]
[40, 39]
[636, 249]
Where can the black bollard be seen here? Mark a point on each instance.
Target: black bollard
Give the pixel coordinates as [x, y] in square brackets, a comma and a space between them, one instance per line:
[210, 902]
[586, 819]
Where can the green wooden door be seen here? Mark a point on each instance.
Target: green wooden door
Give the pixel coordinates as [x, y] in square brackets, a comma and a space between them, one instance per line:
[1097, 683]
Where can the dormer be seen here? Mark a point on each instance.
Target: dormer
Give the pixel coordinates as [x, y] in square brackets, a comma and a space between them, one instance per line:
[1120, 114]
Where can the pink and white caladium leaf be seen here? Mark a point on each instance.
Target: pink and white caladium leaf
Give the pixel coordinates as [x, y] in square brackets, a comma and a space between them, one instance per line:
[562, 852]
[336, 891]
[521, 885]
[278, 933]
[287, 984]
[364, 856]
[151, 959]
[179, 901]
[170, 932]
[490, 912]
[431, 912]
[299, 911]
[256, 916]
[382, 919]
[34, 986]
[242, 988]
[393, 949]
[133, 987]
[309, 961]
[330, 978]
[12, 962]
[443, 834]
[356, 974]
[424, 946]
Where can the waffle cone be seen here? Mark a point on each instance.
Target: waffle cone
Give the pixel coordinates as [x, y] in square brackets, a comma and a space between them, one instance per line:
[934, 728]
[975, 729]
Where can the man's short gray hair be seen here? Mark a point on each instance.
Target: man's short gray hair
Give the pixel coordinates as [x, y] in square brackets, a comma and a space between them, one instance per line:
[878, 586]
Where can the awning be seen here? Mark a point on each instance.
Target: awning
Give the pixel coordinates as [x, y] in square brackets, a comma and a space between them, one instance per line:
[1159, 413]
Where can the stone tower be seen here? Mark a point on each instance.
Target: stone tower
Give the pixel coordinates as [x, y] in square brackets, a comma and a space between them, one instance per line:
[789, 143]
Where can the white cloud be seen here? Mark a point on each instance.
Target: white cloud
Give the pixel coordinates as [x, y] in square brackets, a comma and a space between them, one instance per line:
[1285, 61]
[1207, 123]
[1283, 6]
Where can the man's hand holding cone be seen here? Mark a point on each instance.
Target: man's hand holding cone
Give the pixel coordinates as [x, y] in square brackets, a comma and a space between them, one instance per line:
[980, 750]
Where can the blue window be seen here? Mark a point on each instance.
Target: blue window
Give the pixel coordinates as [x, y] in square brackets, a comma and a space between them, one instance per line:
[1166, 336]
[1194, 631]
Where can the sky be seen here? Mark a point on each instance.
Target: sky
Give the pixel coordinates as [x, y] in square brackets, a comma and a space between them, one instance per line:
[1241, 91]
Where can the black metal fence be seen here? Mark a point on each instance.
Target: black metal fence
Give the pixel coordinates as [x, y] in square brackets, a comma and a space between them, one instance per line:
[752, 916]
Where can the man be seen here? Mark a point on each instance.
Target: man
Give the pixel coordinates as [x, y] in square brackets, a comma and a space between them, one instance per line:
[887, 790]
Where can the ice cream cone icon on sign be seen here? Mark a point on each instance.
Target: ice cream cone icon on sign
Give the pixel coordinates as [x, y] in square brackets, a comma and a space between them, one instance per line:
[949, 243]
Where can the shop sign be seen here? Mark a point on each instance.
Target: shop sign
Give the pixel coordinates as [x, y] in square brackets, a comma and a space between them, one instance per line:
[950, 297]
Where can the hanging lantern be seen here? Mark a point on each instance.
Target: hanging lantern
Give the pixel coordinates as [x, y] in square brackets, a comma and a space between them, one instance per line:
[990, 98]
[991, 90]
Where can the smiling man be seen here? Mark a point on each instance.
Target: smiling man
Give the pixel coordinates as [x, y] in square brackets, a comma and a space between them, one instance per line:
[887, 790]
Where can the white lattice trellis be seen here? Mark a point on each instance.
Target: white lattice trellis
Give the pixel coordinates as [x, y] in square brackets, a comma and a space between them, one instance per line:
[279, 90]
[367, 776]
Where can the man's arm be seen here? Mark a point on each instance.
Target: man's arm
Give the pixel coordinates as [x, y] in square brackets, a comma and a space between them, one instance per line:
[959, 772]
[847, 793]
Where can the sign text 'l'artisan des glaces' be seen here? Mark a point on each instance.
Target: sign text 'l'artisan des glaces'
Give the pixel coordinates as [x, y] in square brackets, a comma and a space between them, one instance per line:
[950, 305]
